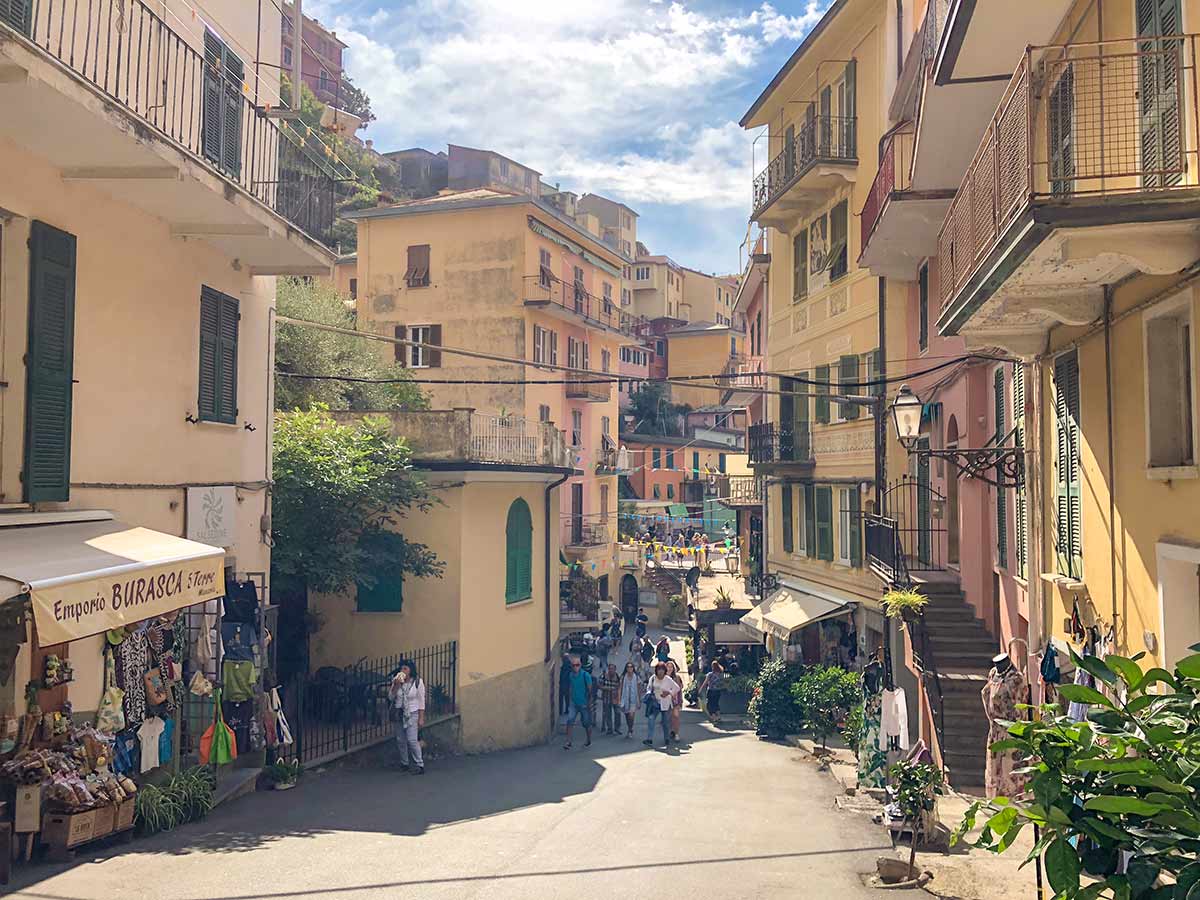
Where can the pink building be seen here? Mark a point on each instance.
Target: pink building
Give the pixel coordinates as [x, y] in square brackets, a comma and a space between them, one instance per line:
[321, 67]
[635, 362]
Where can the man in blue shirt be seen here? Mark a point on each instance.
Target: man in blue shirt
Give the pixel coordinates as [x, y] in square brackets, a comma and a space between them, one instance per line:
[579, 690]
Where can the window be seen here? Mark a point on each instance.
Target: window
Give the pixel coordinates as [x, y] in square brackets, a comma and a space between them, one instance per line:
[838, 241]
[543, 413]
[1060, 123]
[1022, 509]
[545, 268]
[695, 464]
[733, 346]
[670, 492]
[573, 353]
[643, 273]
[325, 82]
[504, 168]
[518, 558]
[810, 521]
[353, 288]
[424, 357]
[605, 360]
[576, 428]
[822, 388]
[800, 265]
[219, 317]
[671, 460]
[1170, 390]
[1067, 510]
[221, 119]
[539, 344]
[721, 463]
[605, 426]
[606, 293]
[824, 498]
[417, 273]
[287, 56]
[923, 308]
[386, 592]
[580, 291]
[50, 364]
[657, 492]
[847, 378]
[1000, 405]
[604, 503]
[660, 347]
[843, 539]
[625, 298]
[1162, 148]
[656, 456]
[786, 519]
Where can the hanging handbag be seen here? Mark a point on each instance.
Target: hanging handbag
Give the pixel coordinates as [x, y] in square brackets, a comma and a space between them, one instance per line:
[110, 718]
[217, 745]
[281, 722]
[156, 690]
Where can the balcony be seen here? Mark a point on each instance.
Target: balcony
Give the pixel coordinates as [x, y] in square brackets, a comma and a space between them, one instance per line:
[743, 380]
[781, 448]
[819, 158]
[1086, 174]
[111, 95]
[739, 491]
[579, 601]
[899, 224]
[573, 303]
[583, 535]
[593, 389]
[454, 438]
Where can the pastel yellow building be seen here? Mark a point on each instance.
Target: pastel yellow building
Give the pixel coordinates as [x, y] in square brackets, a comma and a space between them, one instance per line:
[700, 348]
[709, 298]
[658, 287]
[508, 276]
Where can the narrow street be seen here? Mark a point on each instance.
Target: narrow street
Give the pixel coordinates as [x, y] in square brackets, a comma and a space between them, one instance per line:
[724, 815]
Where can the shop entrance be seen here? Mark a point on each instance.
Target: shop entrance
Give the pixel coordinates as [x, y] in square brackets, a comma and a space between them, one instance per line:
[629, 598]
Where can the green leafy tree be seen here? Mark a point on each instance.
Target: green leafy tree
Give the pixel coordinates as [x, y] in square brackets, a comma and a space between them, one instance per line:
[824, 696]
[340, 493]
[1122, 781]
[355, 101]
[310, 351]
[915, 786]
[772, 709]
[653, 411]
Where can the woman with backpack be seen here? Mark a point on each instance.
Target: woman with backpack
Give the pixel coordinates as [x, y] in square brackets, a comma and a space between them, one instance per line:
[407, 694]
[663, 650]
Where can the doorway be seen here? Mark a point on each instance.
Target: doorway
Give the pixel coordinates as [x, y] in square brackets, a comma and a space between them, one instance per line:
[629, 598]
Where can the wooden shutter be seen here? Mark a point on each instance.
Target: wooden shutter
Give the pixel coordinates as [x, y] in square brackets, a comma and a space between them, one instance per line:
[385, 592]
[839, 241]
[800, 265]
[802, 429]
[849, 114]
[1060, 132]
[212, 117]
[787, 415]
[1067, 498]
[50, 364]
[1022, 523]
[1001, 494]
[825, 523]
[435, 356]
[231, 130]
[822, 386]
[217, 401]
[518, 534]
[1161, 150]
[856, 555]
[788, 525]
[923, 313]
[826, 133]
[810, 521]
[401, 350]
[18, 14]
[849, 375]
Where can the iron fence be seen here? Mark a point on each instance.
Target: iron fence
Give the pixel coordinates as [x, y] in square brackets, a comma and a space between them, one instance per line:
[1077, 120]
[196, 98]
[547, 289]
[517, 441]
[587, 530]
[772, 443]
[338, 710]
[821, 138]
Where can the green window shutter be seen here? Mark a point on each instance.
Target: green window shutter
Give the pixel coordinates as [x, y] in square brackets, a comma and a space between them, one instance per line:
[825, 523]
[219, 317]
[848, 366]
[695, 464]
[18, 14]
[800, 265]
[801, 429]
[518, 535]
[656, 456]
[50, 364]
[1001, 494]
[221, 98]
[385, 593]
[788, 526]
[1022, 523]
[1067, 498]
[810, 521]
[822, 379]
[856, 555]
[671, 459]
[923, 313]
[839, 240]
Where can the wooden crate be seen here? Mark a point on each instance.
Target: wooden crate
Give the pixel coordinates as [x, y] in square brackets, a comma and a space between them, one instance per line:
[106, 817]
[125, 810]
[64, 830]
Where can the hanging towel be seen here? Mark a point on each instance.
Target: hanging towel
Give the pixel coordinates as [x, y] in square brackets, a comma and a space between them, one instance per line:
[1078, 711]
[894, 723]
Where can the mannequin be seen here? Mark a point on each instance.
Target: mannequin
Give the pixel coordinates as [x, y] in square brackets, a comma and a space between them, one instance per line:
[872, 756]
[1005, 688]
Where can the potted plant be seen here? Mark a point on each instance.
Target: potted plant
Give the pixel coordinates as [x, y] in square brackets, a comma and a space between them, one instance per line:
[283, 774]
[914, 788]
[824, 696]
[900, 603]
[724, 598]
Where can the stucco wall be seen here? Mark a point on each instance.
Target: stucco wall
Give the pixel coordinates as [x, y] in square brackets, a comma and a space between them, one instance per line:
[702, 353]
[511, 710]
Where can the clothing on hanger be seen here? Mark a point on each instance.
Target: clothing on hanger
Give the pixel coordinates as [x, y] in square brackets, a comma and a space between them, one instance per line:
[1078, 711]
[894, 723]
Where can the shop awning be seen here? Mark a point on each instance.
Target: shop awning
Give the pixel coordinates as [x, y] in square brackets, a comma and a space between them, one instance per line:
[86, 577]
[786, 611]
[679, 511]
[728, 635]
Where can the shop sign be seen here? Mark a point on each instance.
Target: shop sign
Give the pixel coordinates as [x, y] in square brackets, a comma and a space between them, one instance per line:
[211, 513]
[75, 609]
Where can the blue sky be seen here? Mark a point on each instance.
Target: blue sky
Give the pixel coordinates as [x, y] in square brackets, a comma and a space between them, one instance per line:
[635, 99]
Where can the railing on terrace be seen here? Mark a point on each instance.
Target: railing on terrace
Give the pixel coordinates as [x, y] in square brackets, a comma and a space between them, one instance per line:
[515, 440]
[193, 98]
[588, 530]
[742, 372]
[932, 27]
[545, 288]
[892, 176]
[820, 139]
[771, 443]
[591, 386]
[740, 490]
[1077, 120]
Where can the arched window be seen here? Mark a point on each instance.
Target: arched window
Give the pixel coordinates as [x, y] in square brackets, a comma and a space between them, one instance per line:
[518, 582]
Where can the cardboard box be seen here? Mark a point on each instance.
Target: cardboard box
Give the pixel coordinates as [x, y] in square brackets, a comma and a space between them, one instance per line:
[68, 829]
[125, 811]
[27, 812]
[106, 818]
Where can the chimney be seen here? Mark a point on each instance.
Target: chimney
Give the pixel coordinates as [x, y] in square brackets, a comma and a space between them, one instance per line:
[370, 144]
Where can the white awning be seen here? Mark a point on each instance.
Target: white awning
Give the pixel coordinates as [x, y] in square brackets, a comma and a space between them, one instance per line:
[86, 577]
[786, 611]
[732, 636]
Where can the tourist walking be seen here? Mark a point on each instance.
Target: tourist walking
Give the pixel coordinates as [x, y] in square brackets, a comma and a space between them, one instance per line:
[564, 685]
[647, 650]
[629, 695]
[407, 695]
[642, 621]
[663, 650]
[604, 646]
[610, 700]
[711, 688]
[677, 700]
[581, 692]
[660, 694]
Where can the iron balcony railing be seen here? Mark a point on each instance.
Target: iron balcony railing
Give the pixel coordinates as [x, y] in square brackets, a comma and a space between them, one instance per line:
[590, 530]
[884, 556]
[740, 490]
[195, 97]
[771, 443]
[892, 176]
[1077, 120]
[590, 387]
[912, 537]
[743, 372]
[821, 138]
[932, 27]
[546, 289]
[515, 440]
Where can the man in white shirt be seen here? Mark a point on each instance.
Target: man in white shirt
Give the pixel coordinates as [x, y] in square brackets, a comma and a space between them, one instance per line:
[663, 689]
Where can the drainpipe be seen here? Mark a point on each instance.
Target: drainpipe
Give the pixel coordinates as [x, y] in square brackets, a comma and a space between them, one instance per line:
[1112, 463]
[546, 509]
[297, 52]
[880, 410]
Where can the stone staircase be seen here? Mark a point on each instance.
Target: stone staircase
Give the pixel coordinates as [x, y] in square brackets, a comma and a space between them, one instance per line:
[666, 581]
[961, 649]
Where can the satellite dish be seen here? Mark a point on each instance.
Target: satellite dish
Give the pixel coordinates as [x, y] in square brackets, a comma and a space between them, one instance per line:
[693, 577]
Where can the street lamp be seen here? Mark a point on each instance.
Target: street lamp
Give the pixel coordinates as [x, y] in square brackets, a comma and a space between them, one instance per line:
[906, 413]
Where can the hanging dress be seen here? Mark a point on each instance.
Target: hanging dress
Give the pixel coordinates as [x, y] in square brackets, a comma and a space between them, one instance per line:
[872, 755]
[1001, 694]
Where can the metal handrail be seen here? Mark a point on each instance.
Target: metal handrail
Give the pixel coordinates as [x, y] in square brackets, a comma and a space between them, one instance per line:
[821, 138]
[927, 663]
[574, 297]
